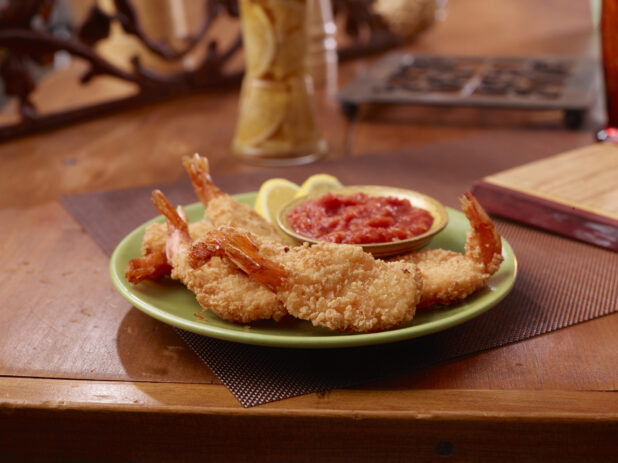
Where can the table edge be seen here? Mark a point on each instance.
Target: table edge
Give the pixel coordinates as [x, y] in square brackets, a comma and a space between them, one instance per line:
[214, 399]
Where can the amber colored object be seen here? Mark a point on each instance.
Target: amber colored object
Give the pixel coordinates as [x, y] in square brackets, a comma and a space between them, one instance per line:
[277, 121]
[609, 40]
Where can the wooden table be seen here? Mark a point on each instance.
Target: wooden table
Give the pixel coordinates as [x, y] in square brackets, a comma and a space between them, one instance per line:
[84, 377]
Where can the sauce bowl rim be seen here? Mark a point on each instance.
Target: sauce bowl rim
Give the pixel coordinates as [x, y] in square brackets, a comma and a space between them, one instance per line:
[380, 249]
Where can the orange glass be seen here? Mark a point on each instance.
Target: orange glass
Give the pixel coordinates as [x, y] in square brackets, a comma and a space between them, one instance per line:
[609, 40]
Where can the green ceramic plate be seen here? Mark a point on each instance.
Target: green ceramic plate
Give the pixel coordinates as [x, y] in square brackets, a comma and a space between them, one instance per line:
[171, 303]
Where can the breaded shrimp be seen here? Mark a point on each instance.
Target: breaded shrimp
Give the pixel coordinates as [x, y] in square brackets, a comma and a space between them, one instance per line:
[220, 208]
[337, 286]
[154, 262]
[151, 266]
[449, 276]
[219, 285]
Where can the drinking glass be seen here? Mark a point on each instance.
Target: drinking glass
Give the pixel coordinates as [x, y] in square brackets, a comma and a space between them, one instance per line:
[609, 43]
[277, 121]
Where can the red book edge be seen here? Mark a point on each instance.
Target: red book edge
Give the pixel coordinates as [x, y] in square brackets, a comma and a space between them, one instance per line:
[548, 215]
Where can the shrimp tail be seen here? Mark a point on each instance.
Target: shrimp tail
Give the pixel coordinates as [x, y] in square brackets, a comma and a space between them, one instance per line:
[173, 217]
[483, 243]
[155, 263]
[177, 228]
[151, 266]
[199, 171]
[241, 251]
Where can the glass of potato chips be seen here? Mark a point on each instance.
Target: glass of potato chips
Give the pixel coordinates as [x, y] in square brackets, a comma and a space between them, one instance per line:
[277, 121]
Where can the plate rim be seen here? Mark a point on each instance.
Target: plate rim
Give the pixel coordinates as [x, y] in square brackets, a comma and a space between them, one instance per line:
[340, 340]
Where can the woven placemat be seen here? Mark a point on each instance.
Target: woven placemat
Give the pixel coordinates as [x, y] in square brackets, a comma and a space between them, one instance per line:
[560, 281]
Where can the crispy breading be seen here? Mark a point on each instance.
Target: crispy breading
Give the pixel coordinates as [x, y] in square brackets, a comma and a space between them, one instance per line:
[219, 209]
[449, 276]
[344, 288]
[223, 289]
[219, 286]
[155, 235]
[224, 210]
[337, 286]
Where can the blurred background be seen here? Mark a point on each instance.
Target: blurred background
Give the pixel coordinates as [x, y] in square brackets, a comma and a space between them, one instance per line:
[64, 62]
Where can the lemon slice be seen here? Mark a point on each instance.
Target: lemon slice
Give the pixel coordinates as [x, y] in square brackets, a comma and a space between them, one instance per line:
[291, 35]
[300, 122]
[285, 62]
[259, 41]
[317, 184]
[263, 106]
[273, 194]
[288, 15]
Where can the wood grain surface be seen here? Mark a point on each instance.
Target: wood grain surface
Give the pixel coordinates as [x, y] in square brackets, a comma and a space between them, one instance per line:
[574, 194]
[90, 378]
[466, 425]
[585, 178]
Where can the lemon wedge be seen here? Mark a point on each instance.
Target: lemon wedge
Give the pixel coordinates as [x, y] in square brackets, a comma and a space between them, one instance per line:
[317, 184]
[272, 195]
[259, 39]
[291, 36]
[263, 107]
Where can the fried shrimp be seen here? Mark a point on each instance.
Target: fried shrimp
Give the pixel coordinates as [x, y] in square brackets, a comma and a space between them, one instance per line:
[219, 286]
[332, 285]
[449, 276]
[220, 208]
[153, 264]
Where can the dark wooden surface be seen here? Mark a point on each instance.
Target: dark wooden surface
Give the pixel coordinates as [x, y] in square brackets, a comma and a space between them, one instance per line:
[76, 361]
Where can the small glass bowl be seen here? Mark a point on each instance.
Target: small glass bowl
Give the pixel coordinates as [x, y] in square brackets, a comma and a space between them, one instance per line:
[386, 249]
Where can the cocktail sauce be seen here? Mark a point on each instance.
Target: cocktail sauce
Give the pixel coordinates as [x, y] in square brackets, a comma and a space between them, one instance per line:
[359, 219]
